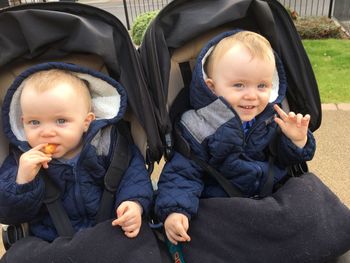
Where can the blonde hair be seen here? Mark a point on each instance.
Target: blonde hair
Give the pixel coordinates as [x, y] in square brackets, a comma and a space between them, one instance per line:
[257, 45]
[42, 81]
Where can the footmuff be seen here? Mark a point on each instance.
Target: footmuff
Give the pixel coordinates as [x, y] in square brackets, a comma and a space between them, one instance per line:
[302, 222]
[102, 243]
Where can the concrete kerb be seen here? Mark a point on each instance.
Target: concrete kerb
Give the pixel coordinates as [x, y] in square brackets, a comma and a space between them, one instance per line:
[335, 106]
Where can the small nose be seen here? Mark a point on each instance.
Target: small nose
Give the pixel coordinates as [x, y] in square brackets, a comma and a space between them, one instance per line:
[48, 131]
[250, 93]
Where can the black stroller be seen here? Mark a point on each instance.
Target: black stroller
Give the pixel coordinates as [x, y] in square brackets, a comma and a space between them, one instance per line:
[44, 32]
[223, 230]
[90, 37]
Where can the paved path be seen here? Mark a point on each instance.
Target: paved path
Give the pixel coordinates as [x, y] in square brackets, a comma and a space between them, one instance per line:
[332, 159]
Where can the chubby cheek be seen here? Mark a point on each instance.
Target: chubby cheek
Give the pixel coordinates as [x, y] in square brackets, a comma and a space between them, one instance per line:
[263, 105]
[71, 140]
[32, 138]
[234, 103]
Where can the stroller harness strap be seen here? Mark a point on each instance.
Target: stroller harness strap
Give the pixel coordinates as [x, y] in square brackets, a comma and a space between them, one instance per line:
[120, 162]
[56, 210]
[231, 190]
[268, 186]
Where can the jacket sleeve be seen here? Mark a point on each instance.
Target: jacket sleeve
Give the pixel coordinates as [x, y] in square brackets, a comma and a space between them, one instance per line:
[19, 203]
[136, 183]
[289, 154]
[179, 188]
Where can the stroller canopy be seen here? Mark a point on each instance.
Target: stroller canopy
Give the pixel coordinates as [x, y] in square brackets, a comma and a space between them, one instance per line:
[182, 21]
[51, 31]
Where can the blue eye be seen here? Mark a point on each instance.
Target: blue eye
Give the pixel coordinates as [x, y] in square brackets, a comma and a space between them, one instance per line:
[262, 86]
[238, 85]
[61, 121]
[34, 122]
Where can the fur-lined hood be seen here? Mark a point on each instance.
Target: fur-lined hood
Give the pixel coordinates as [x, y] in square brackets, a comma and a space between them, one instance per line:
[109, 102]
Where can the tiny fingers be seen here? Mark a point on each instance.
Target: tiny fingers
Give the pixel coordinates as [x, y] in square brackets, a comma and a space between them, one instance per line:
[174, 237]
[306, 119]
[133, 233]
[45, 165]
[39, 146]
[119, 221]
[299, 118]
[280, 112]
[171, 239]
[291, 115]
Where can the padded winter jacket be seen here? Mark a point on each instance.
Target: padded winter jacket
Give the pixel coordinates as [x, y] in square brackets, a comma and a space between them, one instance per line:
[80, 180]
[215, 134]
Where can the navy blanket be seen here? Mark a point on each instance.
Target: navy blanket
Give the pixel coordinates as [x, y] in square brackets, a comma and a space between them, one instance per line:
[100, 244]
[302, 222]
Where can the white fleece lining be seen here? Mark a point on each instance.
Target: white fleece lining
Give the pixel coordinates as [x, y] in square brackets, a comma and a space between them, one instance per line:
[275, 78]
[105, 104]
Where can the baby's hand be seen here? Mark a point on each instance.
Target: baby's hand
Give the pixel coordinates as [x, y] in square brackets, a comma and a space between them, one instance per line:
[129, 218]
[176, 226]
[30, 163]
[294, 126]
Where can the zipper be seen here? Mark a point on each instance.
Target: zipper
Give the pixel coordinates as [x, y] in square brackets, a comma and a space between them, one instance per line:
[77, 193]
[266, 121]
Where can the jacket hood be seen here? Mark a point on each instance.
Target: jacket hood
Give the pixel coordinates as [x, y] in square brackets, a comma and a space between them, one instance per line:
[201, 95]
[109, 102]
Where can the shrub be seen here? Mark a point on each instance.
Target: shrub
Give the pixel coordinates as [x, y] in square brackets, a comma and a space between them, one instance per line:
[317, 28]
[140, 25]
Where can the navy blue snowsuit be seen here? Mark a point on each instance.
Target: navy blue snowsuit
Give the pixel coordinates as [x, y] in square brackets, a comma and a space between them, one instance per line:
[81, 181]
[215, 134]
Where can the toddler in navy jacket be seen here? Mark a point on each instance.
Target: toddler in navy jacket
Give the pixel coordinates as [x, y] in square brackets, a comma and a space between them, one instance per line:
[237, 85]
[60, 121]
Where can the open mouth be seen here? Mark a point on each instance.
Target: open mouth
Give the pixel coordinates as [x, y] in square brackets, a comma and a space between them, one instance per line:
[248, 107]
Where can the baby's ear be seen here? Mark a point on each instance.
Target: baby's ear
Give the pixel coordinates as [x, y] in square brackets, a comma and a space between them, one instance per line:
[89, 118]
[210, 84]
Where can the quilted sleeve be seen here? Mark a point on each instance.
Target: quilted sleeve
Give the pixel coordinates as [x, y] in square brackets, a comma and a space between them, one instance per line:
[290, 154]
[18, 202]
[136, 183]
[179, 188]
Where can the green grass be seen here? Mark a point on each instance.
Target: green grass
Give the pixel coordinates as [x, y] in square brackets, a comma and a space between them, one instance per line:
[330, 59]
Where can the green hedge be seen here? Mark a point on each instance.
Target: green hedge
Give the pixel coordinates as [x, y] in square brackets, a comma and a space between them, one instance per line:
[140, 25]
[317, 28]
[308, 28]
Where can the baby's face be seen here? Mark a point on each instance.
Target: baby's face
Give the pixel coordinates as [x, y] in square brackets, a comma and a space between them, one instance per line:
[56, 116]
[243, 81]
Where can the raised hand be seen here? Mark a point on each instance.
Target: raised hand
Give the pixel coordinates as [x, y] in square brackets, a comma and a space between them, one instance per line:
[176, 226]
[129, 218]
[30, 163]
[294, 126]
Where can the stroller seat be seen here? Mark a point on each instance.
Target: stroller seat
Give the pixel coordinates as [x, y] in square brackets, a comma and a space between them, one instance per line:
[85, 36]
[169, 50]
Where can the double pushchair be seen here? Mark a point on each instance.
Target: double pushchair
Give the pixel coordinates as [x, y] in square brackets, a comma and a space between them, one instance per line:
[292, 225]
